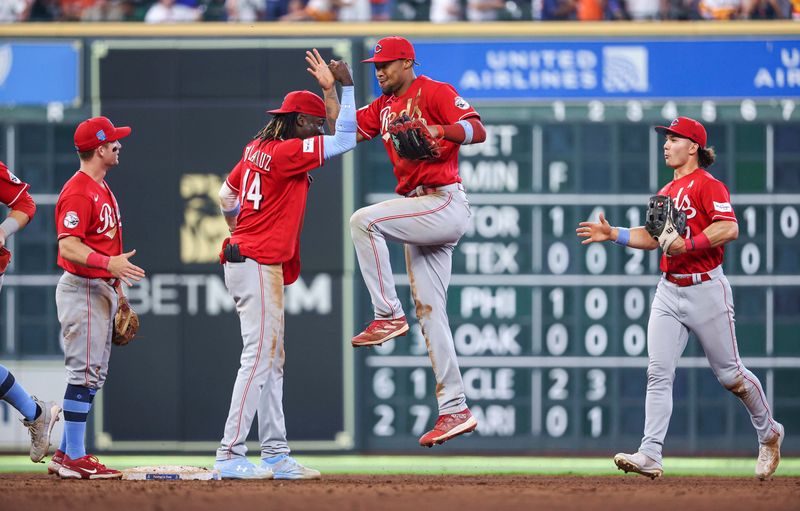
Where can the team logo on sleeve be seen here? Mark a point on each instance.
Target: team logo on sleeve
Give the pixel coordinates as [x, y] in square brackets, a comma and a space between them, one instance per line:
[461, 103]
[71, 220]
[723, 207]
[14, 179]
[308, 145]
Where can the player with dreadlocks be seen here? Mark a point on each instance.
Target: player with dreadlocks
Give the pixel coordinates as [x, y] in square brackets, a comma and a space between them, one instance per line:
[263, 201]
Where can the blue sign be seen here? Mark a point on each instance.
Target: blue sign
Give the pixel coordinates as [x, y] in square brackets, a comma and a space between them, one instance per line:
[614, 69]
[39, 73]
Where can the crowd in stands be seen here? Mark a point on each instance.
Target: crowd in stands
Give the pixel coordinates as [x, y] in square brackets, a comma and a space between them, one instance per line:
[437, 11]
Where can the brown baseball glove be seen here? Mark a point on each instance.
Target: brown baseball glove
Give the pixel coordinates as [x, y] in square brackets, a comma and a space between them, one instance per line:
[412, 140]
[126, 323]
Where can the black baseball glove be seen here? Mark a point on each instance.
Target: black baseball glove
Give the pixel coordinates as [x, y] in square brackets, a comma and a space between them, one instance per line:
[412, 140]
[663, 221]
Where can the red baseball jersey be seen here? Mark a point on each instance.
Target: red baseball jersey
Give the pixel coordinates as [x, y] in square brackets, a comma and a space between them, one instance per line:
[433, 103]
[11, 188]
[272, 181]
[705, 200]
[88, 210]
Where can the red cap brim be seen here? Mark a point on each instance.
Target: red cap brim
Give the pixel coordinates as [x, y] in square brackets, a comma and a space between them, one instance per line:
[379, 58]
[120, 132]
[666, 129]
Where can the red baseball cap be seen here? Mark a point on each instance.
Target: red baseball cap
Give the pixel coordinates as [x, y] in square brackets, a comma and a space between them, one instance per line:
[686, 128]
[392, 48]
[301, 101]
[94, 132]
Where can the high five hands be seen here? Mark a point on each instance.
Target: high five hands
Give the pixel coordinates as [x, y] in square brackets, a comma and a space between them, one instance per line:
[328, 73]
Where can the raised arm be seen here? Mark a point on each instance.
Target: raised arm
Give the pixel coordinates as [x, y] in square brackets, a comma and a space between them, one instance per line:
[319, 69]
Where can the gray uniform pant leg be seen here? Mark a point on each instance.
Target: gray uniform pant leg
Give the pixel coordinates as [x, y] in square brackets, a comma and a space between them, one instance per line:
[432, 265]
[86, 309]
[713, 323]
[257, 291]
[271, 423]
[367, 229]
[666, 340]
[429, 226]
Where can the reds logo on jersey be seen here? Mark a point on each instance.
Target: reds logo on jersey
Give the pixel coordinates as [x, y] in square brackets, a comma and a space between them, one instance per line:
[683, 203]
[411, 109]
[108, 221]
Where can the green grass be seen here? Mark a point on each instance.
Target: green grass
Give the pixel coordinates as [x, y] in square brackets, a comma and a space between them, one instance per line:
[451, 465]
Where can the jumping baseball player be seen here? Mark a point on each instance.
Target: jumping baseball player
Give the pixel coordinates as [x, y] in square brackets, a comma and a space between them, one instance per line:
[39, 417]
[691, 219]
[422, 123]
[89, 228]
[263, 201]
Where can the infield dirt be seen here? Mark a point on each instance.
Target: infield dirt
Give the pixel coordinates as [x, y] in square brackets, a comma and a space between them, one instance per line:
[25, 492]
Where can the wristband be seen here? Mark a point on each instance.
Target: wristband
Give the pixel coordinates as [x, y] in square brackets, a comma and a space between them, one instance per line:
[234, 211]
[699, 242]
[623, 236]
[468, 131]
[9, 226]
[96, 260]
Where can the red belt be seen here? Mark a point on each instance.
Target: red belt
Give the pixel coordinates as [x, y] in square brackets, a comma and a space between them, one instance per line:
[113, 282]
[423, 190]
[687, 281]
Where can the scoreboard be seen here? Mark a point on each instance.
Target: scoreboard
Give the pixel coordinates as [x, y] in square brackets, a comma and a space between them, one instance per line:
[552, 335]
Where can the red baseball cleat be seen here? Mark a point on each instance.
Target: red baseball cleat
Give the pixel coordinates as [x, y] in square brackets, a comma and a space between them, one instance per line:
[87, 467]
[380, 331]
[449, 426]
[55, 462]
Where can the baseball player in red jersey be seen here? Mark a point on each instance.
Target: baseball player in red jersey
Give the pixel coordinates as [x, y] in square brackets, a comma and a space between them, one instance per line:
[263, 200]
[693, 295]
[39, 417]
[429, 219]
[89, 226]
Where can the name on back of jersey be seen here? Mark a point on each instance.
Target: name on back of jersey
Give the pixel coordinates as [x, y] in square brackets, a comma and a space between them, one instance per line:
[258, 158]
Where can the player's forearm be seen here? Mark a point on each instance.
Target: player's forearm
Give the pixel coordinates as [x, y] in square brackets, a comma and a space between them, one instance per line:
[331, 107]
[467, 131]
[74, 250]
[638, 238]
[345, 137]
[719, 233]
[229, 205]
[15, 221]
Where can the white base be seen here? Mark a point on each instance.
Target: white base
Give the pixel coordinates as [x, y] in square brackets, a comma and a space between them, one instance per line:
[170, 473]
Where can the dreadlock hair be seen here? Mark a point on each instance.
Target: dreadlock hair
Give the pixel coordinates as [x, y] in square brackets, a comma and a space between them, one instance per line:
[706, 157]
[280, 127]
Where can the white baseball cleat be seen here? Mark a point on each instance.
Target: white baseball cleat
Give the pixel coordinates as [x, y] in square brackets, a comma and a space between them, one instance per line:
[769, 455]
[286, 467]
[241, 468]
[41, 427]
[639, 463]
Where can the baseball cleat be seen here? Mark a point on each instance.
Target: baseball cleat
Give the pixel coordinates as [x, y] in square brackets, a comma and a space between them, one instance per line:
[55, 462]
[41, 427]
[449, 426]
[286, 467]
[87, 467]
[241, 468]
[769, 455]
[639, 463]
[380, 331]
